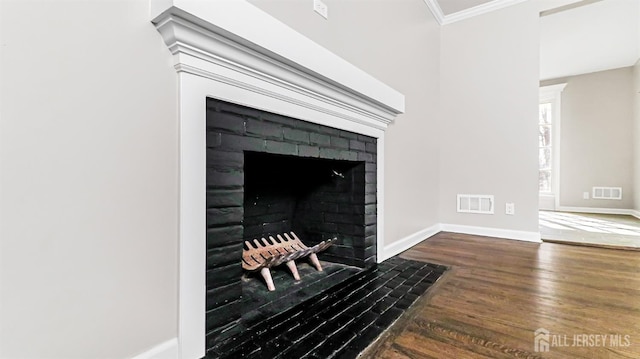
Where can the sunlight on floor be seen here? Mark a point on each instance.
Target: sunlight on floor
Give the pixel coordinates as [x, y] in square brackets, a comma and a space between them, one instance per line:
[590, 228]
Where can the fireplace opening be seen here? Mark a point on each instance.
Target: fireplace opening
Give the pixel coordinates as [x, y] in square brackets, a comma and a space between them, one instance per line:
[317, 199]
[269, 174]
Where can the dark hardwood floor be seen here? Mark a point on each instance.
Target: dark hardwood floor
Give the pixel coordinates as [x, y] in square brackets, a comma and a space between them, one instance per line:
[499, 292]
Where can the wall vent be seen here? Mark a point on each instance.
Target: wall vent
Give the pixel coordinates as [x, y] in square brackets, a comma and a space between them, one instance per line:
[475, 203]
[607, 193]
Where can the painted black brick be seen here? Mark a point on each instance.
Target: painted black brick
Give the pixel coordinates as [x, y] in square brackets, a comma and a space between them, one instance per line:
[296, 135]
[320, 139]
[370, 251]
[370, 188]
[221, 178]
[241, 143]
[364, 156]
[225, 107]
[264, 129]
[348, 155]
[214, 139]
[224, 236]
[339, 142]
[218, 158]
[224, 198]
[370, 231]
[370, 209]
[329, 153]
[221, 256]
[370, 167]
[222, 295]
[264, 132]
[369, 199]
[350, 229]
[223, 314]
[370, 177]
[282, 148]
[357, 145]
[349, 135]
[364, 138]
[308, 151]
[329, 131]
[221, 276]
[370, 240]
[227, 122]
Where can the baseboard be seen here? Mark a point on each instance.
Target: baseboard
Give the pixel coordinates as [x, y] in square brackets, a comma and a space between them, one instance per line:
[407, 242]
[492, 232]
[636, 214]
[628, 212]
[166, 350]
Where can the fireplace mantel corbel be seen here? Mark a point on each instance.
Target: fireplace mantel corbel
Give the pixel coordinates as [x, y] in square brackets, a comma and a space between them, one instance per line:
[233, 51]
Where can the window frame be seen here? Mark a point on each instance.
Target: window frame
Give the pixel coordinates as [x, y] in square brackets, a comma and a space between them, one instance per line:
[552, 94]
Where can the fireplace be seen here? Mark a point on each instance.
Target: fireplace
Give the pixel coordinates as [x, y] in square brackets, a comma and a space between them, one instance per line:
[226, 51]
[269, 174]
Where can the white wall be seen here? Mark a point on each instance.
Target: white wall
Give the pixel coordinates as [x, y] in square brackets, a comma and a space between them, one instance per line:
[596, 145]
[398, 43]
[489, 91]
[88, 161]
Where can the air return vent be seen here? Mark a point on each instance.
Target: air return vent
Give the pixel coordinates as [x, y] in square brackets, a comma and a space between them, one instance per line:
[607, 193]
[475, 203]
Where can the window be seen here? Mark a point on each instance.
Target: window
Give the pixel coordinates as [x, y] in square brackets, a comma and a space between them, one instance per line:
[549, 145]
[545, 147]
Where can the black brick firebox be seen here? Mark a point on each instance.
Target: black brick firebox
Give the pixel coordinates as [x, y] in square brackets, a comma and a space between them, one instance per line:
[267, 174]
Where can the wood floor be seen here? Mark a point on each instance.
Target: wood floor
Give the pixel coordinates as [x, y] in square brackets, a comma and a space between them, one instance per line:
[499, 292]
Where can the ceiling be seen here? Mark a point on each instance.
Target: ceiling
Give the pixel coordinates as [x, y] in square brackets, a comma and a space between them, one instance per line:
[576, 36]
[449, 7]
[598, 36]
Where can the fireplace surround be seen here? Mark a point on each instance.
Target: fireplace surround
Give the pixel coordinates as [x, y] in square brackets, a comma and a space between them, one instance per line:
[269, 174]
[234, 52]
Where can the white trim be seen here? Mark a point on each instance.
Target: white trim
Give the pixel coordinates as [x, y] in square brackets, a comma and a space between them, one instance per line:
[492, 232]
[553, 94]
[380, 199]
[487, 7]
[232, 51]
[407, 242]
[635, 213]
[435, 9]
[165, 350]
[596, 210]
[550, 92]
[237, 35]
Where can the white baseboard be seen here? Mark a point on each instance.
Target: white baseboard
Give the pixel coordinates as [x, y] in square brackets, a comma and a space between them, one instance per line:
[166, 350]
[628, 212]
[492, 232]
[635, 213]
[407, 242]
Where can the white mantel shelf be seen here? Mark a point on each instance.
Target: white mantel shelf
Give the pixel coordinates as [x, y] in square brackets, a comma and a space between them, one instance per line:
[245, 40]
[232, 51]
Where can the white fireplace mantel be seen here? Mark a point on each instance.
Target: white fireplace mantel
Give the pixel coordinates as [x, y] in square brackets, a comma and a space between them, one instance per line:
[233, 51]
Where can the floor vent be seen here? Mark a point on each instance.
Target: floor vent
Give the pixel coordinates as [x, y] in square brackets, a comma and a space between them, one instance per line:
[607, 193]
[475, 203]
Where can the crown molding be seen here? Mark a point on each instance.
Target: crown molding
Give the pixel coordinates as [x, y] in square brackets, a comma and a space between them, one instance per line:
[490, 6]
[435, 9]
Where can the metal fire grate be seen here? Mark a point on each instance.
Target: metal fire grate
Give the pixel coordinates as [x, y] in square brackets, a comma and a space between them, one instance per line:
[260, 255]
